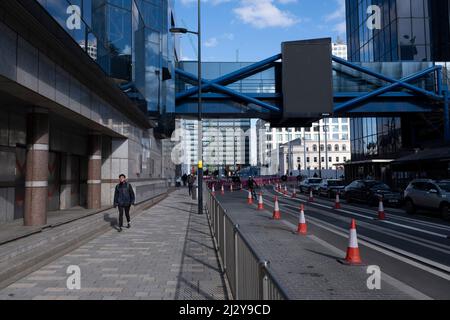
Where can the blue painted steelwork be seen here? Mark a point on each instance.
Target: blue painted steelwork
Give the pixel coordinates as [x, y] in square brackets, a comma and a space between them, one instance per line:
[446, 115]
[231, 93]
[231, 77]
[376, 98]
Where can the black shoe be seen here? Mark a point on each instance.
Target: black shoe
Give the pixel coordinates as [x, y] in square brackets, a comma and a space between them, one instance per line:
[120, 229]
[128, 225]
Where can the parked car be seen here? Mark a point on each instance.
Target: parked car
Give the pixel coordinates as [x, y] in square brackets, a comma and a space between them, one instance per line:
[310, 183]
[330, 187]
[370, 191]
[429, 195]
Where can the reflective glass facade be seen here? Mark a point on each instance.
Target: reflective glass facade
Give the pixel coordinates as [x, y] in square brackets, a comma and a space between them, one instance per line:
[410, 30]
[130, 40]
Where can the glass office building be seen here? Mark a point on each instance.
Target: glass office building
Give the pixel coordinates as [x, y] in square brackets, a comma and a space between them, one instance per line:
[401, 30]
[130, 41]
[409, 30]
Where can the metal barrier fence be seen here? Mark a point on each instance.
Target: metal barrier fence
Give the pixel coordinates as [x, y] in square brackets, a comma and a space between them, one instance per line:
[249, 276]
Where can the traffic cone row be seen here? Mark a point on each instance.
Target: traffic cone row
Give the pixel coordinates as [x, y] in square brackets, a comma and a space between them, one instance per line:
[311, 197]
[352, 257]
[249, 197]
[276, 210]
[337, 203]
[260, 202]
[302, 228]
[381, 214]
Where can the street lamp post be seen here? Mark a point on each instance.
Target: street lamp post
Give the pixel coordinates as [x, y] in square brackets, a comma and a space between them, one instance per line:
[200, 126]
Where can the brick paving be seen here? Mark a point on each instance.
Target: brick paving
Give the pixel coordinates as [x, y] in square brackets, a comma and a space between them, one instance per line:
[167, 254]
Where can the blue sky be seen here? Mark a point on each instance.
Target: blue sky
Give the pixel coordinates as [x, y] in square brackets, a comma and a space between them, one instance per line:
[256, 28]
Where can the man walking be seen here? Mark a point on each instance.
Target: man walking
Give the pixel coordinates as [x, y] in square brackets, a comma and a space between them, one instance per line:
[123, 198]
[251, 186]
[190, 180]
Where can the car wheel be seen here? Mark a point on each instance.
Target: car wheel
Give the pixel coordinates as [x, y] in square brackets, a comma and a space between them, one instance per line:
[410, 207]
[444, 211]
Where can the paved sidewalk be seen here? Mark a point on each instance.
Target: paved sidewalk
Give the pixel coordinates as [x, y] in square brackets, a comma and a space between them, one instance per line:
[167, 254]
[305, 266]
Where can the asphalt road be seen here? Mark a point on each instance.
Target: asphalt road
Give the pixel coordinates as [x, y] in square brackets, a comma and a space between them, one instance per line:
[413, 249]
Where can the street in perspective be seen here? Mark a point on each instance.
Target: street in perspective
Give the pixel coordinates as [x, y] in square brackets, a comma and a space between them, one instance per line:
[244, 150]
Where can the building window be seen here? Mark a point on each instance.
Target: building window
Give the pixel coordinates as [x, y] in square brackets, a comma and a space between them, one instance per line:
[315, 159]
[330, 159]
[322, 148]
[337, 159]
[329, 147]
[307, 159]
[322, 159]
[315, 148]
[336, 147]
[298, 160]
[345, 159]
[344, 147]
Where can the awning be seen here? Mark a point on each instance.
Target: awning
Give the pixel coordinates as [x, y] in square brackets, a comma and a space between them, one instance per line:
[437, 154]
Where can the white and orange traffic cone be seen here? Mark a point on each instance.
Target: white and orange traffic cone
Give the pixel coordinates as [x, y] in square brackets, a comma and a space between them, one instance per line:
[213, 191]
[352, 257]
[260, 202]
[276, 210]
[302, 228]
[249, 197]
[285, 190]
[294, 193]
[231, 187]
[222, 190]
[381, 214]
[311, 197]
[337, 203]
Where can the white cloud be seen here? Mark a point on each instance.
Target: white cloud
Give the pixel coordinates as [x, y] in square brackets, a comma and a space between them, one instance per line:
[264, 13]
[338, 17]
[211, 42]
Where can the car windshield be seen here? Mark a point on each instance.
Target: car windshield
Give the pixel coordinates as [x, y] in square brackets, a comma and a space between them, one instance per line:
[378, 186]
[444, 185]
[314, 180]
[336, 183]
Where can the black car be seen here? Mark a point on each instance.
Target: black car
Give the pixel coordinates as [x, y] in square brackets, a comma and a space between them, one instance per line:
[330, 187]
[370, 191]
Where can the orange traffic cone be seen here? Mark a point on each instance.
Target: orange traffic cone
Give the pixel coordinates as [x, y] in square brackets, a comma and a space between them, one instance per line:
[260, 202]
[337, 203]
[213, 191]
[302, 229]
[353, 257]
[311, 197]
[381, 215]
[249, 197]
[294, 193]
[276, 210]
[222, 190]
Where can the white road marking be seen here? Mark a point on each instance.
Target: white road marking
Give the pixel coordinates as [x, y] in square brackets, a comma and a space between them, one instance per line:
[379, 246]
[445, 236]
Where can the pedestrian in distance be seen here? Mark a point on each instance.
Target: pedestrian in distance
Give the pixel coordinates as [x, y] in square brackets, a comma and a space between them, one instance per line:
[123, 199]
[190, 180]
[184, 179]
[251, 186]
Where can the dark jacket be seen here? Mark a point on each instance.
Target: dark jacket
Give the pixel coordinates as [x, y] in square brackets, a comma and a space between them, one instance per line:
[124, 195]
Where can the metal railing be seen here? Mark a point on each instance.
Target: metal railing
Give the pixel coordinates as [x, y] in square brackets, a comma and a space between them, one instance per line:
[249, 276]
